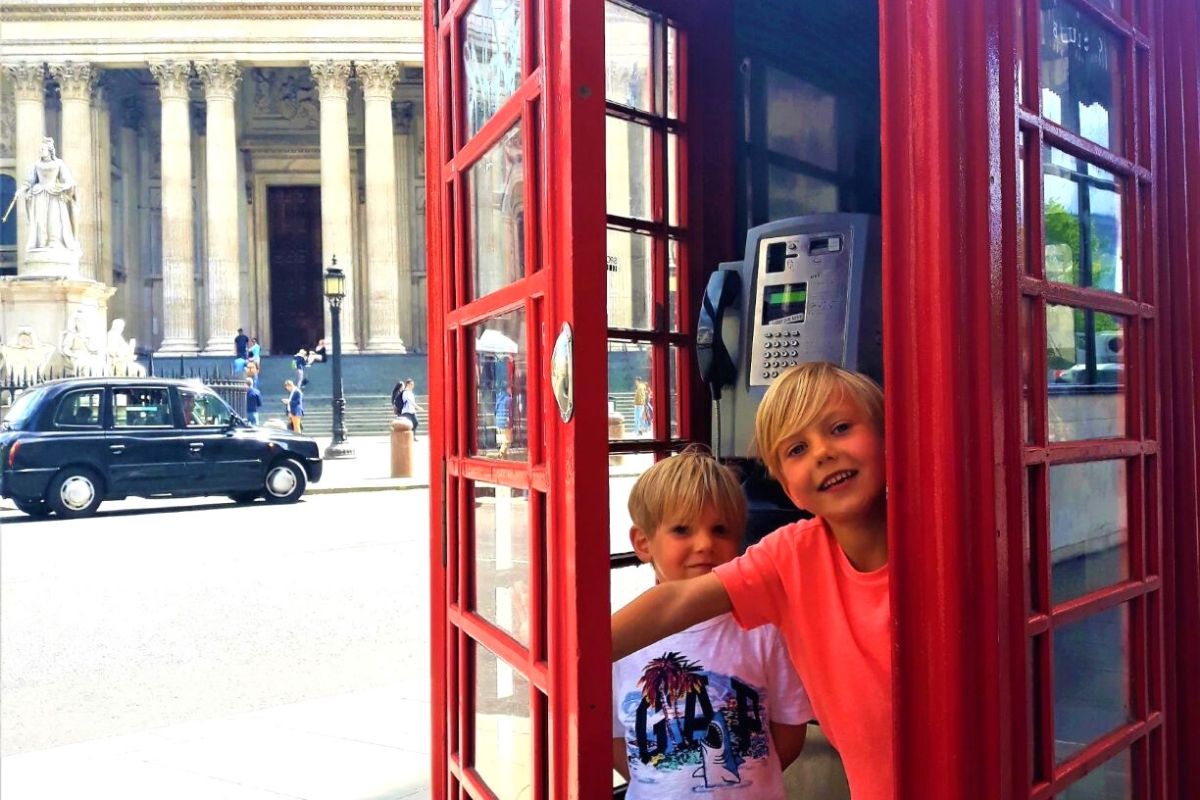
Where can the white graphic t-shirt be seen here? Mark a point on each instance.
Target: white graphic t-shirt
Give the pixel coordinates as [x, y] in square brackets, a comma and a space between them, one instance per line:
[693, 710]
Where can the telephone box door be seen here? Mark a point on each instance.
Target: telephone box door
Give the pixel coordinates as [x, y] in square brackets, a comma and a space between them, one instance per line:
[514, 92]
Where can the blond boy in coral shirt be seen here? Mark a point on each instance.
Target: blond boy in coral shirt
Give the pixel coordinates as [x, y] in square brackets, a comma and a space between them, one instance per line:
[824, 581]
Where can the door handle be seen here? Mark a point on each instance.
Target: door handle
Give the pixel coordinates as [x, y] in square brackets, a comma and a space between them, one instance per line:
[196, 447]
[117, 448]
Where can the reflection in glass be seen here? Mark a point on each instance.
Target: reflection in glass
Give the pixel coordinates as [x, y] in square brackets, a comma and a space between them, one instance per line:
[1091, 679]
[672, 66]
[1112, 780]
[502, 578]
[672, 179]
[1082, 215]
[1080, 74]
[627, 168]
[792, 194]
[1089, 528]
[628, 39]
[503, 728]
[676, 411]
[491, 58]
[1085, 358]
[629, 387]
[623, 471]
[801, 120]
[497, 349]
[630, 287]
[496, 193]
[673, 282]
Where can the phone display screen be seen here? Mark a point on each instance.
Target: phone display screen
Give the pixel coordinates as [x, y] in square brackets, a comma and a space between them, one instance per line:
[784, 302]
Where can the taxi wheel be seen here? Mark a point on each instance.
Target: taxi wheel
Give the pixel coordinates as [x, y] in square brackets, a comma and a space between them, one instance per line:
[75, 492]
[285, 482]
[34, 508]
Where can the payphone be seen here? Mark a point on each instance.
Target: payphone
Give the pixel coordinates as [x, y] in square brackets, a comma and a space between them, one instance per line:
[808, 289]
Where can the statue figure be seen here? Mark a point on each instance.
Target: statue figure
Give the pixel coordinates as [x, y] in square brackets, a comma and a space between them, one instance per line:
[80, 355]
[122, 355]
[26, 355]
[50, 202]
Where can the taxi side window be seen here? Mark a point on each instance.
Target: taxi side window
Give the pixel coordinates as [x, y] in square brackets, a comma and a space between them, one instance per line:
[203, 409]
[80, 410]
[142, 408]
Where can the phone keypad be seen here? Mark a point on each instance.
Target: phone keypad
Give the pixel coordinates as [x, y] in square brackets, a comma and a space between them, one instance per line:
[779, 351]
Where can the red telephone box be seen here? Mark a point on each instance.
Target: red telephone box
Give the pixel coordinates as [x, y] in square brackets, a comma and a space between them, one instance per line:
[1040, 164]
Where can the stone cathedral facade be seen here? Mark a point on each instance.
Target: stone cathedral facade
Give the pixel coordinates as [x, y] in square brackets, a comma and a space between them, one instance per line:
[224, 154]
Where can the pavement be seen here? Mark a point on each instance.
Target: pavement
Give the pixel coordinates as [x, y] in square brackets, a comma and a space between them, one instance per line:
[370, 469]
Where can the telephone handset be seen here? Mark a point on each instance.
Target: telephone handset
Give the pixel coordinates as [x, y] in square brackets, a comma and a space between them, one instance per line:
[716, 365]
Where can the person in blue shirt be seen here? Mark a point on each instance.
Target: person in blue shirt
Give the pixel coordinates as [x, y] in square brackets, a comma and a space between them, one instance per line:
[295, 406]
[253, 401]
[504, 420]
[241, 344]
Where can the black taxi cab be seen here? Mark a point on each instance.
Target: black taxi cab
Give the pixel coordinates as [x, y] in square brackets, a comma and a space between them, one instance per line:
[67, 445]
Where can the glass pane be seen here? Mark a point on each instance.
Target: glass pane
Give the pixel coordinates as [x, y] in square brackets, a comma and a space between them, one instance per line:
[501, 419]
[496, 193]
[1020, 42]
[673, 282]
[1027, 380]
[142, 408]
[672, 70]
[628, 389]
[676, 410]
[1091, 680]
[491, 58]
[627, 583]
[203, 409]
[502, 578]
[1081, 211]
[630, 281]
[628, 40]
[503, 727]
[791, 194]
[1112, 780]
[1089, 528]
[623, 471]
[672, 179]
[1023, 261]
[627, 185]
[1080, 74]
[80, 409]
[801, 120]
[1085, 358]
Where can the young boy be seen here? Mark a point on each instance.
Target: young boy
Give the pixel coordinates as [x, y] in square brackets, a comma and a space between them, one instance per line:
[714, 709]
[823, 581]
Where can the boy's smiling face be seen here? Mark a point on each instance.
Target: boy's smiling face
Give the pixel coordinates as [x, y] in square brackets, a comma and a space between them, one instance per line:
[686, 549]
[834, 468]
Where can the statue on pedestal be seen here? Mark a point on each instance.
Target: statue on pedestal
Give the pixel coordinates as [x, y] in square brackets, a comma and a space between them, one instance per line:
[122, 355]
[50, 202]
[80, 355]
[25, 355]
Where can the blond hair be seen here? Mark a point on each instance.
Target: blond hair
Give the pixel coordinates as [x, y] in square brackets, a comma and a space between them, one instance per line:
[678, 489]
[799, 395]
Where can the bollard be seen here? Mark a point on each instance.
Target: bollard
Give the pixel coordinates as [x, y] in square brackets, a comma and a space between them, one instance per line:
[402, 448]
[616, 432]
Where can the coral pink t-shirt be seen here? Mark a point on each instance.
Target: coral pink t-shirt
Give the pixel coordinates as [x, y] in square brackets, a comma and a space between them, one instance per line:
[836, 622]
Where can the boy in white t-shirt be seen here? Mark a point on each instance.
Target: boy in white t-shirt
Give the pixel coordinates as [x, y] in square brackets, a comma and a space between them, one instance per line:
[713, 710]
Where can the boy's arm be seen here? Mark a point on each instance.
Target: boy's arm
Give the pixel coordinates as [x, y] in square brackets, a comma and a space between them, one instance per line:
[620, 759]
[666, 609]
[789, 741]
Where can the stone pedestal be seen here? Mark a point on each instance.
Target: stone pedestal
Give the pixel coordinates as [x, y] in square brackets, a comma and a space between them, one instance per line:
[48, 307]
[51, 262]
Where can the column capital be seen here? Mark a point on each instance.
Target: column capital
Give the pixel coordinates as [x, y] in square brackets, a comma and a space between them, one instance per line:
[332, 78]
[220, 78]
[172, 77]
[75, 80]
[28, 78]
[377, 78]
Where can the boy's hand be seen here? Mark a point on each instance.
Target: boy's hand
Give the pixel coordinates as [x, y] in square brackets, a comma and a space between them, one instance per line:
[666, 609]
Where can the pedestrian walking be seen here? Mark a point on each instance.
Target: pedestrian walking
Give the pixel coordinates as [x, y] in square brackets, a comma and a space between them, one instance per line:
[241, 344]
[253, 401]
[295, 406]
[300, 362]
[408, 405]
[641, 392]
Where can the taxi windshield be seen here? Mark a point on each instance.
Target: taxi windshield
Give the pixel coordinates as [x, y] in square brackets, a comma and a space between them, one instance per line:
[20, 414]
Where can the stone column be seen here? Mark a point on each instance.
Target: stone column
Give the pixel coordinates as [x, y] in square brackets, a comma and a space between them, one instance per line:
[383, 285]
[403, 115]
[102, 144]
[332, 79]
[224, 264]
[29, 85]
[179, 290]
[131, 120]
[75, 83]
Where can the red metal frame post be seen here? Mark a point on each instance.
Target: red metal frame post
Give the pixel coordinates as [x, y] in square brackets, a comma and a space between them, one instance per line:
[943, 261]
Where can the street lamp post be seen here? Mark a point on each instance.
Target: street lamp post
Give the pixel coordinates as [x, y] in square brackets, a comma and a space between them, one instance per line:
[335, 290]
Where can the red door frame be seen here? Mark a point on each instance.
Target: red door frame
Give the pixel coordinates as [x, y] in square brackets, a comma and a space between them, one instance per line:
[948, 134]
